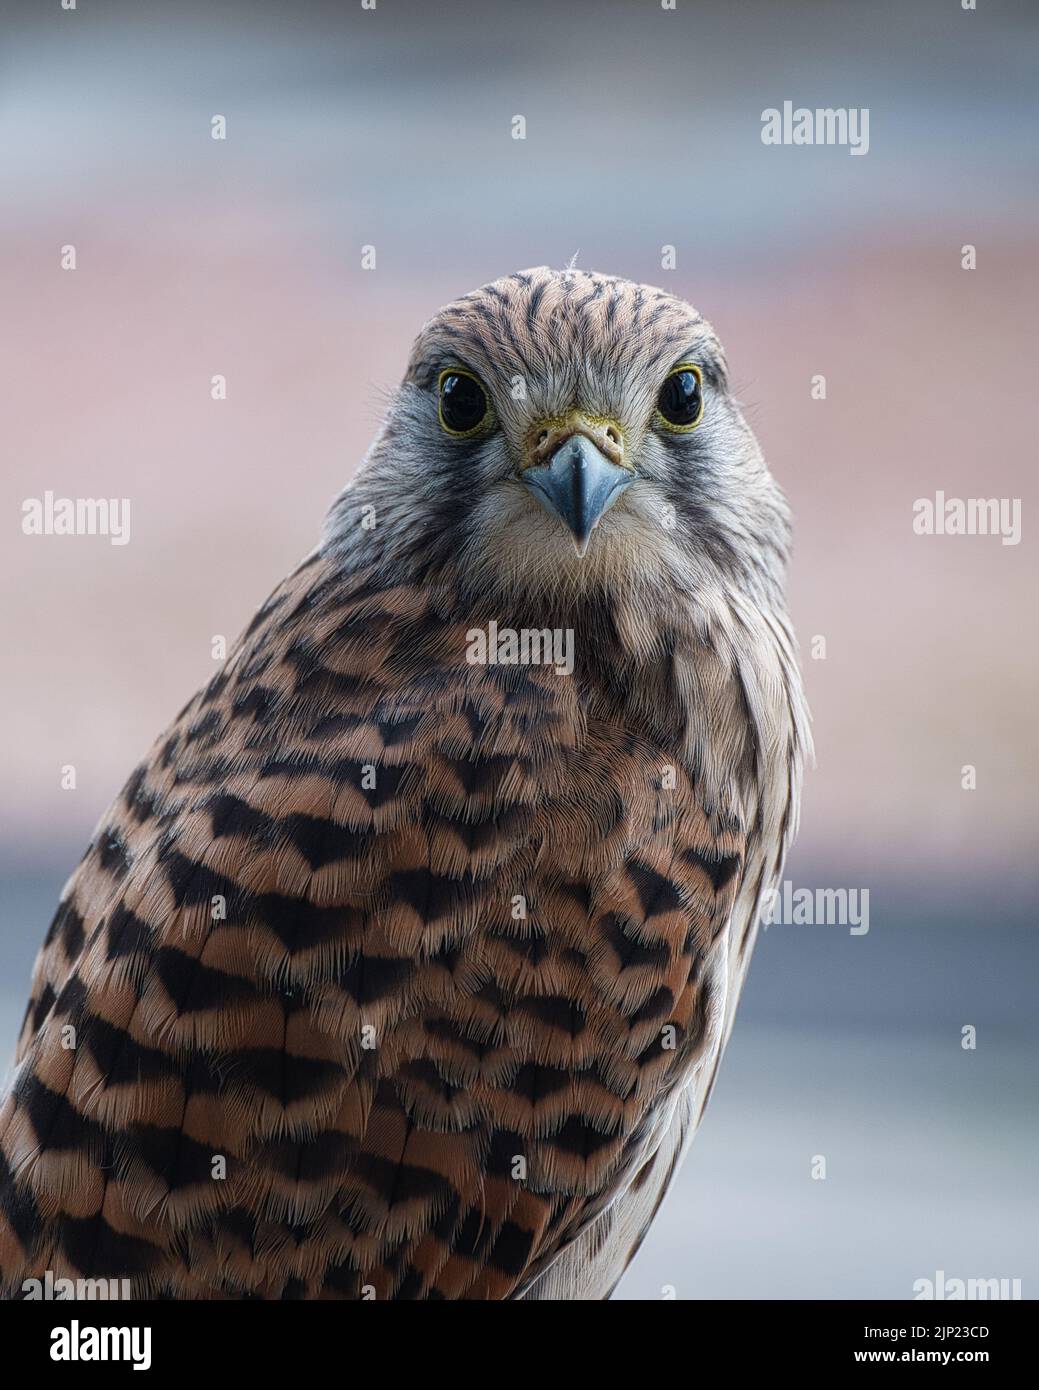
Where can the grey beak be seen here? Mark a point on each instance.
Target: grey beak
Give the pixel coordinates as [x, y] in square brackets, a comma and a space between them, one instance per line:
[579, 485]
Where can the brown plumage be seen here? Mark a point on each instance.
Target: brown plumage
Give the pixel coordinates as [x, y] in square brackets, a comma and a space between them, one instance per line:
[393, 974]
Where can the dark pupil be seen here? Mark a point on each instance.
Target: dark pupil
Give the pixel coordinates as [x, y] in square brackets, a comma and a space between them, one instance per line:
[679, 399]
[462, 402]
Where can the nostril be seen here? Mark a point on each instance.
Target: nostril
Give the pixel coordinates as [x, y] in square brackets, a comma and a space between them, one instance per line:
[613, 436]
[543, 437]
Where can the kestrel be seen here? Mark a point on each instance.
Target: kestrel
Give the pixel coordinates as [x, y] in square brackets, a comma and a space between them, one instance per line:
[402, 965]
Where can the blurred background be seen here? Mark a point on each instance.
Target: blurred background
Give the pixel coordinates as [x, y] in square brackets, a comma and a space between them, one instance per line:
[392, 128]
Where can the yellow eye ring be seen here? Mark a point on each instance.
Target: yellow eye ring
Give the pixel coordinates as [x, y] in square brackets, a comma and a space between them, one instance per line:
[680, 402]
[467, 411]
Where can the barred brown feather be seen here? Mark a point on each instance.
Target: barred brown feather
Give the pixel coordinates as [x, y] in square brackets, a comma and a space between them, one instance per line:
[438, 958]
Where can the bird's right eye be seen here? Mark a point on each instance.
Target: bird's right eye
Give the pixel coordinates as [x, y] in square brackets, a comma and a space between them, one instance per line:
[680, 402]
[464, 407]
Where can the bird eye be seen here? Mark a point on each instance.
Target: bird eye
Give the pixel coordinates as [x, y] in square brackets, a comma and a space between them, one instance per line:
[464, 407]
[680, 402]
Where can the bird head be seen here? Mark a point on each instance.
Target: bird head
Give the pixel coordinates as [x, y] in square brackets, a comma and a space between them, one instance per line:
[567, 430]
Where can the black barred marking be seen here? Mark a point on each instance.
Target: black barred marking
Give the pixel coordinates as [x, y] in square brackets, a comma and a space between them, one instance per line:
[388, 779]
[371, 978]
[629, 950]
[301, 925]
[210, 724]
[57, 1123]
[68, 926]
[18, 1205]
[533, 947]
[171, 1155]
[450, 957]
[169, 749]
[578, 893]
[403, 1182]
[330, 725]
[72, 933]
[43, 1006]
[447, 1030]
[99, 1252]
[518, 684]
[410, 1286]
[133, 785]
[477, 721]
[112, 853]
[72, 999]
[284, 1075]
[323, 841]
[482, 775]
[658, 1005]
[472, 1235]
[535, 1082]
[655, 1048]
[312, 677]
[257, 665]
[397, 731]
[259, 704]
[395, 1258]
[504, 1148]
[657, 894]
[127, 934]
[195, 884]
[446, 1223]
[580, 1137]
[572, 956]
[510, 1252]
[205, 1074]
[417, 639]
[204, 771]
[311, 1160]
[492, 995]
[194, 987]
[140, 802]
[719, 871]
[121, 1060]
[479, 816]
[425, 1072]
[596, 1076]
[555, 1011]
[479, 833]
[343, 1279]
[230, 815]
[298, 1231]
[430, 896]
[351, 771]
[240, 1224]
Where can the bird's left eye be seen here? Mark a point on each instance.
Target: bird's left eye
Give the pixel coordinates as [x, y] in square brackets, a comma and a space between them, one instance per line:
[464, 407]
[680, 402]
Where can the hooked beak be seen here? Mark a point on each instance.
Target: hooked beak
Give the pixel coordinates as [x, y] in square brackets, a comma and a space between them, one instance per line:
[579, 485]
